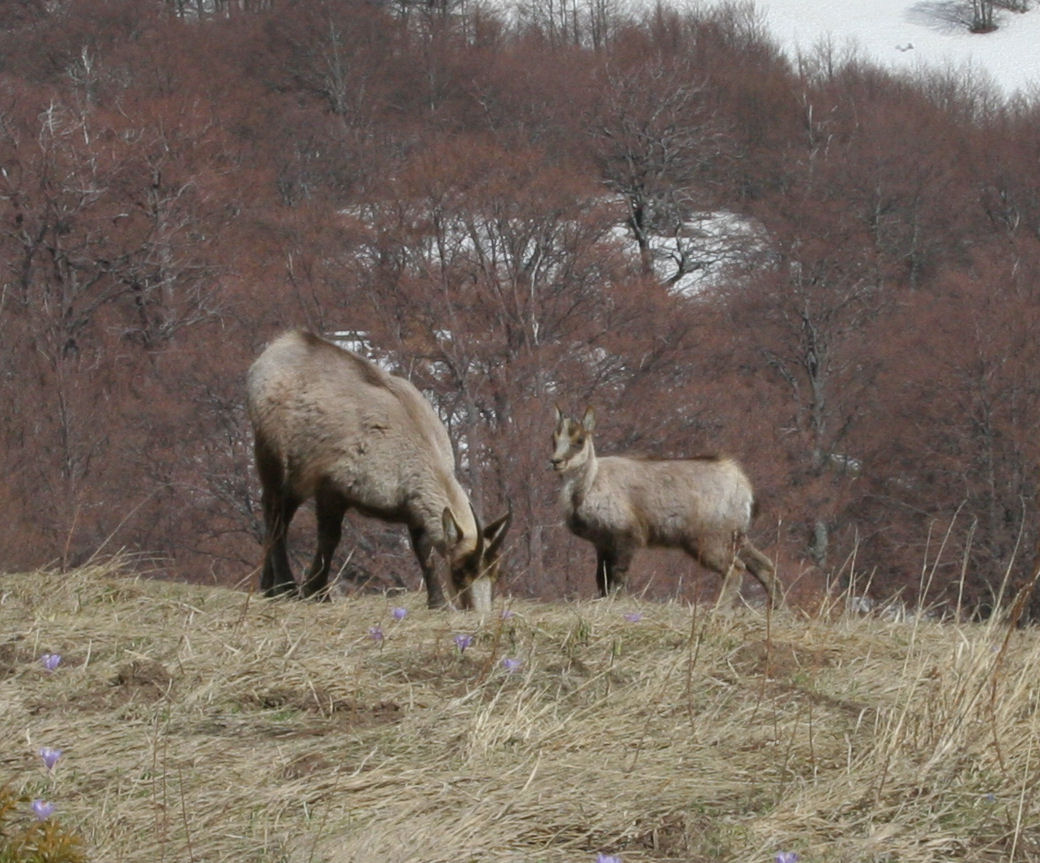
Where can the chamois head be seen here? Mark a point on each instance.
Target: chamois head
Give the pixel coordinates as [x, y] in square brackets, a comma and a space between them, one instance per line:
[572, 441]
[474, 570]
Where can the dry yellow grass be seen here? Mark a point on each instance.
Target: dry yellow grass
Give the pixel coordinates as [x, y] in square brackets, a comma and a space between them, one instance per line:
[200, 724]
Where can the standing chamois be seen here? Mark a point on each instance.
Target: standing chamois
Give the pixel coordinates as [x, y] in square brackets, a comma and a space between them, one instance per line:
[331, 425]
[622, 503]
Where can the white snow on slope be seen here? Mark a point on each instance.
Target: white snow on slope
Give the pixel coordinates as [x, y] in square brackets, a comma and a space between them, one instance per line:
[913, 36]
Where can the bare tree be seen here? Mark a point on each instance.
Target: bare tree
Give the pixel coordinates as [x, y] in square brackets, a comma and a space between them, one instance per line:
[101, 251]
[982, 16]
[655, 135]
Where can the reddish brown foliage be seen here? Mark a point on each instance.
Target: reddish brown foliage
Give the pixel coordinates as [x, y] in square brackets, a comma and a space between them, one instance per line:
[453, 192]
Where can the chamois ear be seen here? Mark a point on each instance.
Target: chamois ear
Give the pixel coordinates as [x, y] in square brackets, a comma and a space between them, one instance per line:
[452, 531]
[495, 533]
[589, 420]
[559, 414]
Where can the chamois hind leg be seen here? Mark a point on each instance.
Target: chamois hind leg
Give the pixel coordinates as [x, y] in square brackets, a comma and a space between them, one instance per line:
[423, 548]
[732, 581]
[761, 567]
[720, 556]
[279, 508]
[276, 579]
[330, 508]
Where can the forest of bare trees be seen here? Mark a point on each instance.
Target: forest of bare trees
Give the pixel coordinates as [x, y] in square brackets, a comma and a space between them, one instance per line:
[829, 272]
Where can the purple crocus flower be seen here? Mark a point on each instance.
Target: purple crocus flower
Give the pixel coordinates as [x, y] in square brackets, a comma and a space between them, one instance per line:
[42, 809]
[399, 613]
[511, 665]
[787, 857]
[633, 617]
[506, 613]
[607, 858]
[376, 633]
[51, 660]
[463, 641]
[50, 756]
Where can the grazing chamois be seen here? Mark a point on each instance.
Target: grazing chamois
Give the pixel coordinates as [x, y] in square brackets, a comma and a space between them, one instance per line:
[623, 503]
[331, 425]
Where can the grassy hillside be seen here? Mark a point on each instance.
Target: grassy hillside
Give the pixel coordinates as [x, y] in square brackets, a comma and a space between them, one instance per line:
[199, 724]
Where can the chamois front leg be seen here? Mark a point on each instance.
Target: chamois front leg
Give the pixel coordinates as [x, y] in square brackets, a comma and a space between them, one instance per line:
[603, 567]
[423, 548]
[612, 570]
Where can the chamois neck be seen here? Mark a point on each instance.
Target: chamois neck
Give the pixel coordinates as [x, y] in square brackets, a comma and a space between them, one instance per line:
[454, 498]
[591, 465]
[583, 474]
